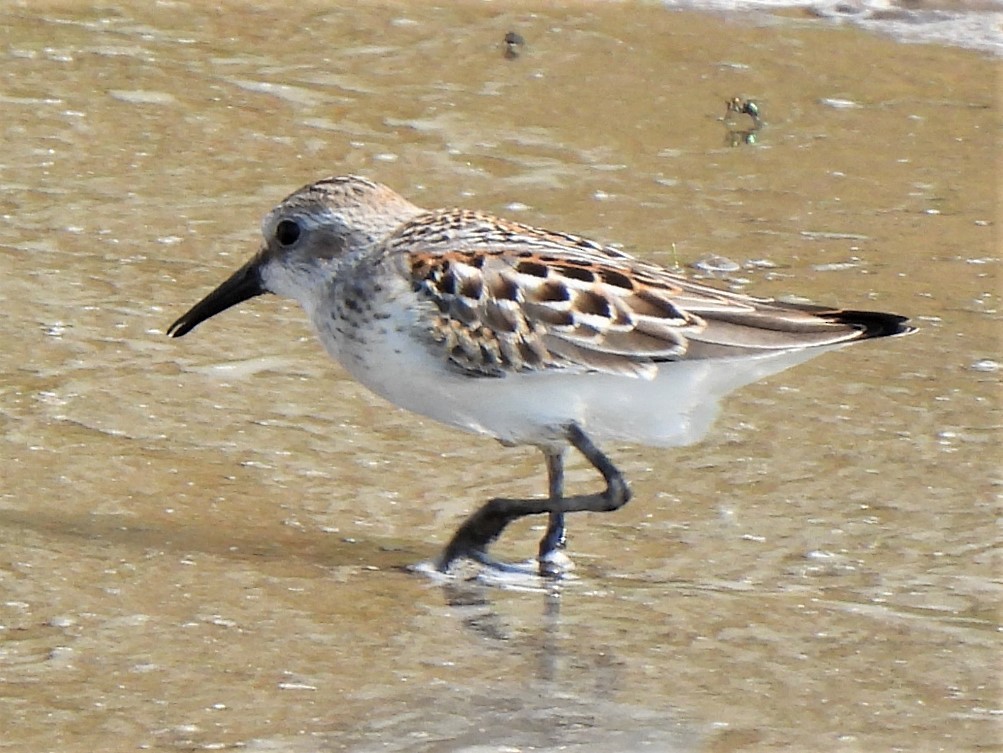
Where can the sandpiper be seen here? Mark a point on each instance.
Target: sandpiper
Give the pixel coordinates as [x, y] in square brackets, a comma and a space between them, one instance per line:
[526, 335]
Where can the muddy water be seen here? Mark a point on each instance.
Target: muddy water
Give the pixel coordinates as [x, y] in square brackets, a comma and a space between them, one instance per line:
[201, 541]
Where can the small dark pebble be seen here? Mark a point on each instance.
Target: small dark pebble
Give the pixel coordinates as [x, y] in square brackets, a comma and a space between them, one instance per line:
[512, 42]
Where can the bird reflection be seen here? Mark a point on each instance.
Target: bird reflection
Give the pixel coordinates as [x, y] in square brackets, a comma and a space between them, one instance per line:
[470, 598]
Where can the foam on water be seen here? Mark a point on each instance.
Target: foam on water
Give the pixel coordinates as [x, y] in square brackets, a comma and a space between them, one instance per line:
[960, 23]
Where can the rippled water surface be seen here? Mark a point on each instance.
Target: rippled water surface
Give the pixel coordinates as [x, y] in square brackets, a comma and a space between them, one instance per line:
[203, 541]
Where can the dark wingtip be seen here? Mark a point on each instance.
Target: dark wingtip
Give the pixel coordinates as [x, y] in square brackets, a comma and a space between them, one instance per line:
[874, 323]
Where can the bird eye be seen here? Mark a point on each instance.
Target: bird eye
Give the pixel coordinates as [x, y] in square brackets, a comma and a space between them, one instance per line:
[287, 232]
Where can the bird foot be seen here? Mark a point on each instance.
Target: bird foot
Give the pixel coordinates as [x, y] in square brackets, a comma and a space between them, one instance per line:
[553, 564]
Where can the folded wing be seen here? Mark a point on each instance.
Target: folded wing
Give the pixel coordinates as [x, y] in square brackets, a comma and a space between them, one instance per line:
[508, 297]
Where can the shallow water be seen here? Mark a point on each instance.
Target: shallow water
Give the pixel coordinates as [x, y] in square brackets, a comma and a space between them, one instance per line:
[203, 540]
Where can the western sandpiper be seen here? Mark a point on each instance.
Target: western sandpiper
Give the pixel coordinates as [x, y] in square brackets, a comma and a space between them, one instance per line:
[526, 335]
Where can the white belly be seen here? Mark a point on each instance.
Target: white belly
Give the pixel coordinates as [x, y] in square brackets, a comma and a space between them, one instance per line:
[674, 408]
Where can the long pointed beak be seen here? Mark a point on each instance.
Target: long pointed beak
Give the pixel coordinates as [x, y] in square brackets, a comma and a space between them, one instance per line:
[243, 284]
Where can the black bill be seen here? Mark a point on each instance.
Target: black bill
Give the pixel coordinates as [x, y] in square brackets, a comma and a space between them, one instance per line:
[243, 284]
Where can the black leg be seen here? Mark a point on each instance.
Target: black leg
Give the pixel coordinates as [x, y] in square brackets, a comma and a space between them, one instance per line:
[554, 539]
[484, 526]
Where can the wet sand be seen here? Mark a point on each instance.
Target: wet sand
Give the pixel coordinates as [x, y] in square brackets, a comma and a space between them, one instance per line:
[203, 540]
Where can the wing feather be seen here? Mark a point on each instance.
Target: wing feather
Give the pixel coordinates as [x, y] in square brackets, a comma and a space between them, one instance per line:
[508, 297]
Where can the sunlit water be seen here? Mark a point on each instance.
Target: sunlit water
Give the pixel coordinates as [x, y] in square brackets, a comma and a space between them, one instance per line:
[204, 542]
